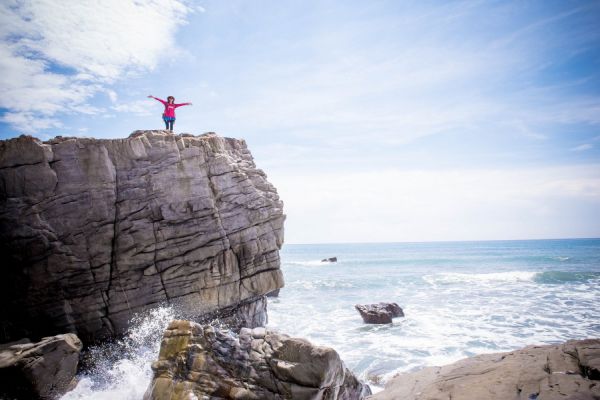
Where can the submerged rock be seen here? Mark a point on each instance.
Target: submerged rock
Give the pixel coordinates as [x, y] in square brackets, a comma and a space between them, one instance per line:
[43, 370]
[380, 313]
[569, 371]
[197, 361]
[93, 231]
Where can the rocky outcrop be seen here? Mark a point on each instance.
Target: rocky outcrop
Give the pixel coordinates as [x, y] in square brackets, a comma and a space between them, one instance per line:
[330, 259]
[198, 361]
[92, 231]
[380, 313]
[44, 370]
[570, 371]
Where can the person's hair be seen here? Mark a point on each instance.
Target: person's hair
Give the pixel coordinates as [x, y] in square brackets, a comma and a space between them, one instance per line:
[171, 97]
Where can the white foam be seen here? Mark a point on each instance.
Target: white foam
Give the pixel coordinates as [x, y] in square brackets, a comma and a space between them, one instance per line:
[323, 283]
[454, 277]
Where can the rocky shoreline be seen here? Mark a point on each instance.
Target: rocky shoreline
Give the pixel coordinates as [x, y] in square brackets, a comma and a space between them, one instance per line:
[568, 371]
[93, 232]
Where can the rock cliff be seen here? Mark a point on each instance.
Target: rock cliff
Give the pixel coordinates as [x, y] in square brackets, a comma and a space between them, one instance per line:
[570, 371]
[92, 231]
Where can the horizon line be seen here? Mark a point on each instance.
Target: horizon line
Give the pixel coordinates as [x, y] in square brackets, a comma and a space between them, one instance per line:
[448, 241]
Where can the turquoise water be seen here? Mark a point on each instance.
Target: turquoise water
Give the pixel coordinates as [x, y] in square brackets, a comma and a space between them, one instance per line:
[460, 299]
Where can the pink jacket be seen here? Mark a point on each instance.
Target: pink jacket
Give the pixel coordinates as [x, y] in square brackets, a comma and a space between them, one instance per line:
[170, 108]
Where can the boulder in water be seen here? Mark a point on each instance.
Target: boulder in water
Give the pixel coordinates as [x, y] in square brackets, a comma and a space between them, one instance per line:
[43, 370]
[198, 361]
[380, 313]
[330, 259]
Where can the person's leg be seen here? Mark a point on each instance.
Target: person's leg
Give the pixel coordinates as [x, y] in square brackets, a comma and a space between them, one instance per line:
[172, 123]
[166, 123]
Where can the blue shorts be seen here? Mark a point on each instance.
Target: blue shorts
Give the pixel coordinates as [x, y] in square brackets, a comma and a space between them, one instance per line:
[168, 119]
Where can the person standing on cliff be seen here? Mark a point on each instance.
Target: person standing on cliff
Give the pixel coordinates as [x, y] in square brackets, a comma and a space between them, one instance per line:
[169, 113]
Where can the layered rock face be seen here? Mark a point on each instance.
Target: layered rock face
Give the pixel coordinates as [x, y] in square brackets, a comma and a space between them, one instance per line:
[43, 370]
[201, 362]
[570, 371]
[92, 231]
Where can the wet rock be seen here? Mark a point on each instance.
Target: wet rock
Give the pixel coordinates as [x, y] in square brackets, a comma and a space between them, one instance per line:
[274, 293]
[330, 259]
[566, 372]
[201, 361]
[43, 370]
[93, 231]
[380, 313]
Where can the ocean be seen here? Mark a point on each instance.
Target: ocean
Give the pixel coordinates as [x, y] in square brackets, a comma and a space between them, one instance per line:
[459, 298]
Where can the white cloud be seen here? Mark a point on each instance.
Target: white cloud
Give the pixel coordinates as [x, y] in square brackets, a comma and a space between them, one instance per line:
[422, 205]
[582, 147]
[536, 25]
[138, 107]
[55, 56]
[398, 92]
[527, 131]
[28, 87]
[30, 123]
[112, 95]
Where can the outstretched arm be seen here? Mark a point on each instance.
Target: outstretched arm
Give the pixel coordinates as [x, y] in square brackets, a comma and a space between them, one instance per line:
[182, 104]
[156, 98]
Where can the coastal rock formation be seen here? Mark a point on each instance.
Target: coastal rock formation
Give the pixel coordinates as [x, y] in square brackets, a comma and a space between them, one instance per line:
[43, 370]
[330, 259]
[380, 313]
[567, 371]
[199, 361]
[93, 231]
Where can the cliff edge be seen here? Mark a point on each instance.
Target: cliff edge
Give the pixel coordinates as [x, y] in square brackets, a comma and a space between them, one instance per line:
[93, 231]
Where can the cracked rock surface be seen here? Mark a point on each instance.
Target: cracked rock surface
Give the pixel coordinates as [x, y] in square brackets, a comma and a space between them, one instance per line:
[92, 231]
[570, 371]
[205, 362]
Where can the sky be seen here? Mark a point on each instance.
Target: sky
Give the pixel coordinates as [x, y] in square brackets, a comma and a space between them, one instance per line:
[377, 121]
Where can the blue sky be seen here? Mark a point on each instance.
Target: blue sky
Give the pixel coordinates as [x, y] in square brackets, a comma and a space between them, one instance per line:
[376, 121]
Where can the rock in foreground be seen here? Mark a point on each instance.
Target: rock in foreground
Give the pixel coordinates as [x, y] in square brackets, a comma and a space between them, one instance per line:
[199, 361]
[93, 231]
[380, 313]
[43, 370]
[570, 371]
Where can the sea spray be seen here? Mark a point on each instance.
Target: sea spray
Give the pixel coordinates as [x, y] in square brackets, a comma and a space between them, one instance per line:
[120, 370]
